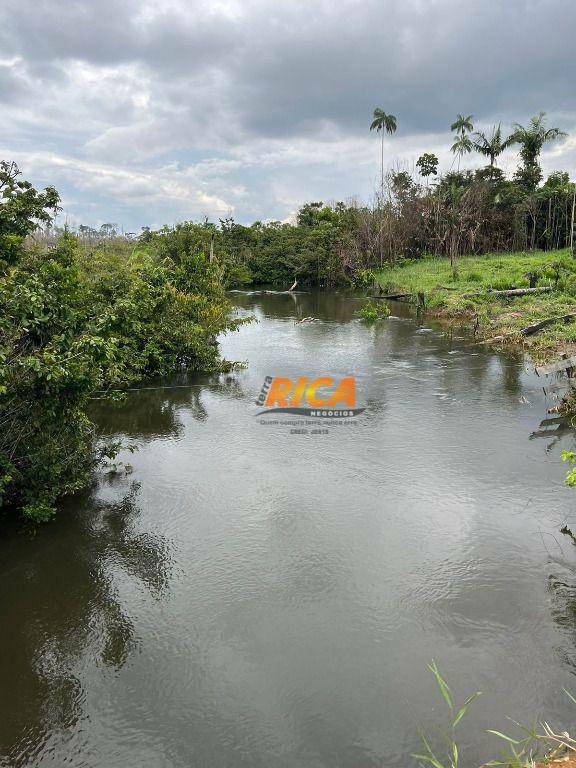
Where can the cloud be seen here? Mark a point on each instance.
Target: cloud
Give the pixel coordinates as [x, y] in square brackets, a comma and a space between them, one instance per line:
[255, 106]
[166, 188]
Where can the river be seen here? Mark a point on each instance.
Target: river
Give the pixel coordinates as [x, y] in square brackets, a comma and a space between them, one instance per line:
[251, 598]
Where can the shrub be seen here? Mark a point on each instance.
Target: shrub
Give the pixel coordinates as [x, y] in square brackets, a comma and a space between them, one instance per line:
[72, 323]
[372, 310]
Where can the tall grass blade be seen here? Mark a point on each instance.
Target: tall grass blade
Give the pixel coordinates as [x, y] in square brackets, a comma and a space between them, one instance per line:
[503, 736]
[442, 684]
[463, 709]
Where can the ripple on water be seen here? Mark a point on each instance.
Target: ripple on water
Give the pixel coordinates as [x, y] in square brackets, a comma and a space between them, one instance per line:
[248, 597]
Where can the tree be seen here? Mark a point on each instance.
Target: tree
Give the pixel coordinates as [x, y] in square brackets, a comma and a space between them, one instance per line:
[463, 145]
[108, 230]
[428, 164]
[531, 139]
[492, 146]
[73, 321]
[22, 209]
[462, 124]
[382, 122]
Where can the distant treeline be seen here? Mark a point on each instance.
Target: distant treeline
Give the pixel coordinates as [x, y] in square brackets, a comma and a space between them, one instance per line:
[414, 215]
[466, 212]
[462, 212]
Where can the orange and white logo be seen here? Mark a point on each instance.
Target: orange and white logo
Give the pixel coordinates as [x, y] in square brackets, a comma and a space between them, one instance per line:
[323, 397]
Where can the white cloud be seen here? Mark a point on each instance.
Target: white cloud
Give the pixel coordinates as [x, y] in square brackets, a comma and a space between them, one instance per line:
[170, 184]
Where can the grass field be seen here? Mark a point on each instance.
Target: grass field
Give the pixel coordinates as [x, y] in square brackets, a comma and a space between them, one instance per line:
[449, 296]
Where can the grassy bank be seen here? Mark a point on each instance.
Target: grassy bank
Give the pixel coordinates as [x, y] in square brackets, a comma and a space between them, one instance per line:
[469, 295]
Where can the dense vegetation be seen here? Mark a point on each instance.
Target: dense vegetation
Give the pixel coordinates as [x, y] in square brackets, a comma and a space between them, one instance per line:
[414, 215]
[314, 250]
[76, 320]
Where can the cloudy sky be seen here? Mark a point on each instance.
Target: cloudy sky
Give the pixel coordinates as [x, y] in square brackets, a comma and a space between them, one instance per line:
[145, 112]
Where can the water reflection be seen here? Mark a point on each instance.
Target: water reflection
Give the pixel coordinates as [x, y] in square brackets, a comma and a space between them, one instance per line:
[257, 598]
[156, 409]
[63, 606]
[333, 307]
[553, 428]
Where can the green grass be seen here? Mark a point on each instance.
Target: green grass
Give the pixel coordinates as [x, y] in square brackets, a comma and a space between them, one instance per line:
[447, 295]
[538, 745]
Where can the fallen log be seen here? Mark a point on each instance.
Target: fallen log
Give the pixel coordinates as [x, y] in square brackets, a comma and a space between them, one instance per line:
[535, 327]
[559, 386]
[509, 292]
[393, 296]
[530, 329]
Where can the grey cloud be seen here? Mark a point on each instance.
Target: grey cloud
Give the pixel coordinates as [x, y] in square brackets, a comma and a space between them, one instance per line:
[144, 82]
[10, 85]
[292, 65]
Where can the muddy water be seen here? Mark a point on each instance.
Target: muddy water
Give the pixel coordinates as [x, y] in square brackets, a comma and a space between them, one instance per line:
[250, 597]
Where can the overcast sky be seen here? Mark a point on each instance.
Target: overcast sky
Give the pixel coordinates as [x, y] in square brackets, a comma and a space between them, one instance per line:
[145, 112]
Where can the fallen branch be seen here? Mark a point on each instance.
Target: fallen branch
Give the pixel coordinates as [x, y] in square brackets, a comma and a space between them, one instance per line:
[393, 296]
[509, 292]
[535, 327]
[531, 329]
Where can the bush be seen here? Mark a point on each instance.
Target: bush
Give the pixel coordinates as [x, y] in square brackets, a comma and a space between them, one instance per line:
[372, 310]
[71, 324]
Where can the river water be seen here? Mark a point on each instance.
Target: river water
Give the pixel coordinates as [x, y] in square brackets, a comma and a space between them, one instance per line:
[251, 598]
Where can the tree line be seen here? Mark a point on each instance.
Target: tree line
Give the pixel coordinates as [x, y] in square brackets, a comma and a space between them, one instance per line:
[414, 214]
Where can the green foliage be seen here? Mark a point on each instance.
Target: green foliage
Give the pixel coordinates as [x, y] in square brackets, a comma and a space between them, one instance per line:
[493, 145]
[109, 452]
[383, 122]
[373, 310]
[72, 322]
[567, 285]
[428, 164]
[523, 751]
[531, 139]
[22, 209]
[503, 283]
[364, 278]
[462, 124]
[536, 744]
[309, 251]
[570, 458]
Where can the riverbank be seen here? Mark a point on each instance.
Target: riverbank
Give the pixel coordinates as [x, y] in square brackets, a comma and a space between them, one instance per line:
[476, 296]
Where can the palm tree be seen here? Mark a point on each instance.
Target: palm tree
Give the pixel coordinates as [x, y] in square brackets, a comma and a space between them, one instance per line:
[531, 139]
[494, 145]
[383, 122]
[463, 145]
[462, 124]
